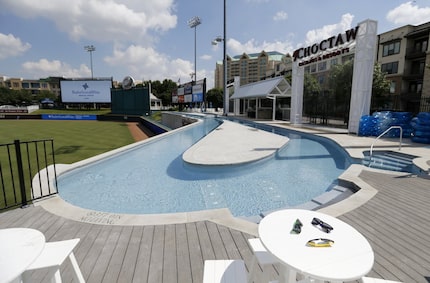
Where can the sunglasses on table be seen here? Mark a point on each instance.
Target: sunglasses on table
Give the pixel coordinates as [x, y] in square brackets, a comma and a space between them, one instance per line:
[324, 226]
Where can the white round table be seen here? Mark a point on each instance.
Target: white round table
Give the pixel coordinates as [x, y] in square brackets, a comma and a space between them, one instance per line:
[349, 258]
[19, 247]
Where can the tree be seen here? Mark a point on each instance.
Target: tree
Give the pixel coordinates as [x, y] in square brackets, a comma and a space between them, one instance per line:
[46, 94]
[340, 86]
[163, 90]
[15, 97]
[215, 97]
[380, 89]
[311, 90]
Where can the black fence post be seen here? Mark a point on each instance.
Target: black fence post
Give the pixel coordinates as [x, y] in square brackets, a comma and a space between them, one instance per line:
[20, 173]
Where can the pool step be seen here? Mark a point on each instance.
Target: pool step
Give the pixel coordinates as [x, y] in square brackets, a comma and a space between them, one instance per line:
[212, 197]
[389, 160]
[335, 194]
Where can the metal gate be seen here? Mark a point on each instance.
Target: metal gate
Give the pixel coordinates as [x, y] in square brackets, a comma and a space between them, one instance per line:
[27, 172]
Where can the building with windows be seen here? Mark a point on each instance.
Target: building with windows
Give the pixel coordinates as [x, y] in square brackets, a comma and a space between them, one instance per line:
[253, 67]
[405, 56]
[51, 84]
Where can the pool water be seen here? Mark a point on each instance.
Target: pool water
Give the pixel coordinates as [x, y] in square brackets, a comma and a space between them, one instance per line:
[152, 177]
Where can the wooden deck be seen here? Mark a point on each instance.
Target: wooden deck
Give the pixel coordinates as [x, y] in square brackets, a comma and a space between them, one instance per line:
[396, 222]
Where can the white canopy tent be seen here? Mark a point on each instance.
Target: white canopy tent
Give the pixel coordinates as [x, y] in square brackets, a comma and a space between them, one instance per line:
[156, 103]
[269, 88]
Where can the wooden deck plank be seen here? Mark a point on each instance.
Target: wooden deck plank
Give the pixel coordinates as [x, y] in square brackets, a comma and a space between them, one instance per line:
[196, 258]
[144, 257]
[170, 271]
[396, 222]
[183, 254]
[128, 268]
[205, 241]
[118, 255]
[156, 264]
[98, 241]
[215, 238]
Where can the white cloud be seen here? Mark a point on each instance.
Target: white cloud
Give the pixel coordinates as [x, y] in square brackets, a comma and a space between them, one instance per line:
[252, 46]
[100, 20]
[11, 46]
[235, 47]
[408, 14]
[280, 16]
[146, 62]
[45, 68]
[316, 35]
[206, 57]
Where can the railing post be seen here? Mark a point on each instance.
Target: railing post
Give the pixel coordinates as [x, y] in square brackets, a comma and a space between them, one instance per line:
[20, 173]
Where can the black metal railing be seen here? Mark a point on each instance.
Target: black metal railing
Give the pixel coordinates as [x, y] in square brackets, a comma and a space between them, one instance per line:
[27, 172]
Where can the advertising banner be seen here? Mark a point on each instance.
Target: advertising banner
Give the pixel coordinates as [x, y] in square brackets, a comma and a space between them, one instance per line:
[86, 91]
[198, 93]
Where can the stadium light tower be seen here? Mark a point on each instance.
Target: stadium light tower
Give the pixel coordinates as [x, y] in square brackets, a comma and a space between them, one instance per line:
[193, 23]
[91, 48]
[217, 40]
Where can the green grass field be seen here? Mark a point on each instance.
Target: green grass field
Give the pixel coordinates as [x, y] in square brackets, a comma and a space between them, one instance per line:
[73, 140]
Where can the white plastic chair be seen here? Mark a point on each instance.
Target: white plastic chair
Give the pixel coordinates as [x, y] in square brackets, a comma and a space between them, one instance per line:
[262, 256]
[376, 280]
[52, 257]
[224, 271]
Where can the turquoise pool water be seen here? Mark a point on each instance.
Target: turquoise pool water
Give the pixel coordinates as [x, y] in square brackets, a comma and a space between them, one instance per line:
[152, 177]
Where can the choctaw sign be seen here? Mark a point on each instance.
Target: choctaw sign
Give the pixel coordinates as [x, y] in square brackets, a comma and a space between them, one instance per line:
[365, 38]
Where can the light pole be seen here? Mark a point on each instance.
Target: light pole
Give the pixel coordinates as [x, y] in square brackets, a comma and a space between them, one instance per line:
[193, 23]
[224, 61]
[91, 48]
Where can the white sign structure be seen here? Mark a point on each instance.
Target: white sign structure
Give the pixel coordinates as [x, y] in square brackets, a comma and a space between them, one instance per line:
[365, 36]
[86, 91]
[364, 60]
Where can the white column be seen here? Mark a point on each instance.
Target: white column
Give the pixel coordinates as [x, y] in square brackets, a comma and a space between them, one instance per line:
[297, 94]
[364, 60]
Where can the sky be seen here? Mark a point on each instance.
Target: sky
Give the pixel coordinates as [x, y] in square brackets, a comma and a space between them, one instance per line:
[151, 39]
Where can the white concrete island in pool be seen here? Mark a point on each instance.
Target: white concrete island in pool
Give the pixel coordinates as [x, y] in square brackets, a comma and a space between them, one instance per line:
[233, 143]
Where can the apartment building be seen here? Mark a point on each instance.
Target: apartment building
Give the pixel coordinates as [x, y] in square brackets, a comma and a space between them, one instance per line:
[253, 67]
[51, 84]
[404, 55]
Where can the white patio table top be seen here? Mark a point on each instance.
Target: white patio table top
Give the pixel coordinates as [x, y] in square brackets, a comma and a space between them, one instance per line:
[349, 258]
[19, 247]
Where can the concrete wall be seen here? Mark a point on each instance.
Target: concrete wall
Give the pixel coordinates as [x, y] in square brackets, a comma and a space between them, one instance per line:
[175, 120]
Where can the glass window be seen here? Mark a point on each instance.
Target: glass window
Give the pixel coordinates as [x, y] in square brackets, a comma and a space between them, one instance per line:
[322, 66]
[391, 48]
[392, 87]
[390, 68]
[415, 87]
[25, 85]
[421, 45]
[313, 68]
[333, 62]
[417, 67]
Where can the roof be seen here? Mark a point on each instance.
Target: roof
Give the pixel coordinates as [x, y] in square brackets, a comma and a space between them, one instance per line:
[277, 86]
[153, 97]
[273, 55]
